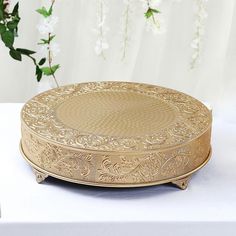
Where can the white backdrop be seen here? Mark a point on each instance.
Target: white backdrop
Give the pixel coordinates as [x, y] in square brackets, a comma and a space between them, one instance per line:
[162, 59]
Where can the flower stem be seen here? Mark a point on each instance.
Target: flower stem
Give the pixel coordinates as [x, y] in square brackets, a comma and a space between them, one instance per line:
[50, 60]
[50, 53]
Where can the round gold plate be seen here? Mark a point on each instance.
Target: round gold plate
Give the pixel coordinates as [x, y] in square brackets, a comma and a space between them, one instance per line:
[116, 134]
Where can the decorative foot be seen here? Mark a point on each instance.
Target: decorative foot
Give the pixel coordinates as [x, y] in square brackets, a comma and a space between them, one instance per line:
[40, 177]
[182, 183]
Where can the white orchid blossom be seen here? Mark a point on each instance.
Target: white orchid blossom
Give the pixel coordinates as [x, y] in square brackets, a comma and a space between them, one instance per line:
[47, 25]
[53, 47]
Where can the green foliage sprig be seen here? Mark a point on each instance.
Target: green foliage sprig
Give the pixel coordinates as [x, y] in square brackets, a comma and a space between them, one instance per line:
[9, 22]
[50, 69]
[151, 12]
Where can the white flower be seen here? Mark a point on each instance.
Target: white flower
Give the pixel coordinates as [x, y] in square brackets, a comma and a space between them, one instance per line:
[101, 23]
[100, 46]
[195, 43]
[199, 23]
[195, 55]
[201, 31]
[203, 14]
[53, 47]
[44, 50]
[47, 25]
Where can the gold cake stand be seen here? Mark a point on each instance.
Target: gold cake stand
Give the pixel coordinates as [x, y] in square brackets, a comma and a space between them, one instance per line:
[116, 134]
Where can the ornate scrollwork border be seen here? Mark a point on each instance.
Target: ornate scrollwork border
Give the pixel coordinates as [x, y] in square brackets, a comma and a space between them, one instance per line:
[39, 117]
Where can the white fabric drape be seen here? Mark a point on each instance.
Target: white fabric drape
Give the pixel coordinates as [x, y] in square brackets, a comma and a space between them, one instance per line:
[158, 59]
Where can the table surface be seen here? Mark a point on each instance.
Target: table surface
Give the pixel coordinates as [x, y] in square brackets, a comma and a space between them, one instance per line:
[210, 197]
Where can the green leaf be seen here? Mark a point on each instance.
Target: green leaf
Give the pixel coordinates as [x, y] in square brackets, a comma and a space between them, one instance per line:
[39, 76]
[50, 10]
[50, 71]
[12, 25]
[2, 28]
[148, 13]
[16, 32]
[51, 37]
[47, 41]
[43, 41]
[155, 10]
[8, 38]
[15, 54]
[38, 73]
[15, 10]
[42, 61]
[43, 11]
[25, 51]
[37, 70]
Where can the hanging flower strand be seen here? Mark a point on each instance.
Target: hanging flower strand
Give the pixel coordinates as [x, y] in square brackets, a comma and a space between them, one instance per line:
[198, 35]
[101, 30]
[126, 26]
[152, 15]
[48, 47]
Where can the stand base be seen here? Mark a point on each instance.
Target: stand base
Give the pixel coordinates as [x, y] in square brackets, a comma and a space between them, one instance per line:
[40, 176]
[182, 183]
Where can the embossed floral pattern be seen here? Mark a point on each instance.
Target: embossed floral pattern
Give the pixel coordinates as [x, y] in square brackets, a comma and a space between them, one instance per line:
[114, 168]
[39, 116]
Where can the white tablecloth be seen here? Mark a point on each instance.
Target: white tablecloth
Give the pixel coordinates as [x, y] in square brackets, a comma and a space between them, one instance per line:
[207, 207]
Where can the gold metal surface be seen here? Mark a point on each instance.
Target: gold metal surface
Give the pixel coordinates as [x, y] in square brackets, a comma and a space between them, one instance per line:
[182, 183]
[40, 176]
[116, 134]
